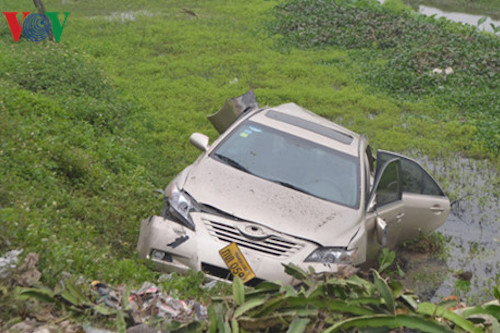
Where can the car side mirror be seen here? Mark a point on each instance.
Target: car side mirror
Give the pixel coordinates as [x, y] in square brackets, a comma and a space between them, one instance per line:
[381, 226]
[200, 141]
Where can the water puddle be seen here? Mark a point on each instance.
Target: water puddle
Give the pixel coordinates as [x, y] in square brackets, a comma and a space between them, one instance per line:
[466, 18]
[456, 13]
[472, 235]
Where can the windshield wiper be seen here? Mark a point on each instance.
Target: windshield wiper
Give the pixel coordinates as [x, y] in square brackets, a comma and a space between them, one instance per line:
[293, 187]
[231, 162]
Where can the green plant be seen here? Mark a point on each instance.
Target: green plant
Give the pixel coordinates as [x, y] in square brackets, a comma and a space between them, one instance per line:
[318, 302]
[407, 48]
[326, 302]
[433, 243]
[385, 259]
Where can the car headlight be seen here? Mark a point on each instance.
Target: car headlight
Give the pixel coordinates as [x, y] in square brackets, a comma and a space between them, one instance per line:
[331, 255]
[179, 205]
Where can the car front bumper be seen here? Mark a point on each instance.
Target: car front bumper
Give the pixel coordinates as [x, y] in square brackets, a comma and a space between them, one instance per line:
[175, 248]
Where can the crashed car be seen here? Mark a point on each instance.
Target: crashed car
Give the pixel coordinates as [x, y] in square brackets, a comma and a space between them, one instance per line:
[284, 185]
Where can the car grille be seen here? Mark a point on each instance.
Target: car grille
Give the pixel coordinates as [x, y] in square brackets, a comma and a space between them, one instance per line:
[276, 246]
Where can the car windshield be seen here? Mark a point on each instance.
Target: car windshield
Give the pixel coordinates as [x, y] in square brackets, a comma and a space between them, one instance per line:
[293, 162]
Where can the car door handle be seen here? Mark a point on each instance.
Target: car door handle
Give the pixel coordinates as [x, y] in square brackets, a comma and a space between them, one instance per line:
[437, 209]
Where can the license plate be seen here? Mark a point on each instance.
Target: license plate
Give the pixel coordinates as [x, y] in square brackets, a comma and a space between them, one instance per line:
[236, 262]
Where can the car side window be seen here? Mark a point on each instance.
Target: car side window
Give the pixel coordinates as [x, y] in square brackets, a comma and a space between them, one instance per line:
[430, 187]
[388, 188]
[417, 180]
[414, 177]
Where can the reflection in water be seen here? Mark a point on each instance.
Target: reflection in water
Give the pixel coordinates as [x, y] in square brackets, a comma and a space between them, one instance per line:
[459, 17]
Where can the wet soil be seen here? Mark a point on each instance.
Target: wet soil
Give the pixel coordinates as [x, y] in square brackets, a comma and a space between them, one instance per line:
[424, 274]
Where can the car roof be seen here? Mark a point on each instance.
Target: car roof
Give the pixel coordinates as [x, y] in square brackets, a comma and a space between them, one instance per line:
[292, 118]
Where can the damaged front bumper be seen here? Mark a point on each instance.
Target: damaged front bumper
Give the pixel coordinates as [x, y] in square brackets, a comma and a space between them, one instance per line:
[175, 248]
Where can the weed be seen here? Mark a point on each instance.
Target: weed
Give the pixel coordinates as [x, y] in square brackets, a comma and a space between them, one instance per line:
[433, 243]
[400, 50]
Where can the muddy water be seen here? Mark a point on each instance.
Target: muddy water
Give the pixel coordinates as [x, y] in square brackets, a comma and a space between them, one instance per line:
[459, 12]
[472, 234]
[462, 17]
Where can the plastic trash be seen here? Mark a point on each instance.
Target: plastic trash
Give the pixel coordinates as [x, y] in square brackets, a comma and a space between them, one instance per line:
[209, 285]
[165, 277]
[9, 262]
[150, 301]
[106, 295]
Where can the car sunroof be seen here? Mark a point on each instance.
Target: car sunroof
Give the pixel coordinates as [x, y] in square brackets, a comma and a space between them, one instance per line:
[310, 126]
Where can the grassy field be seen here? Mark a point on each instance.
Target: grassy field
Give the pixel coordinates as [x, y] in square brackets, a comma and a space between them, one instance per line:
[91, 125]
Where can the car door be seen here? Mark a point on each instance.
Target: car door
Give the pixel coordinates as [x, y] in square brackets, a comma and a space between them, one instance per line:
[426, 206]
[386, 200]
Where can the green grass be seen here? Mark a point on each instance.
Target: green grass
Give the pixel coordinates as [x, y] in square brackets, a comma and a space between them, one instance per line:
[90, 126]
[70, 181]
[396, 52]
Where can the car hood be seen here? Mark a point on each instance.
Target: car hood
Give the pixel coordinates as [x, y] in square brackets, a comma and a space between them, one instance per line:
[251, 198]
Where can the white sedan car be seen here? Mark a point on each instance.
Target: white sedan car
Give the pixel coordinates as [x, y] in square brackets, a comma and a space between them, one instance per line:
[284, 185]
